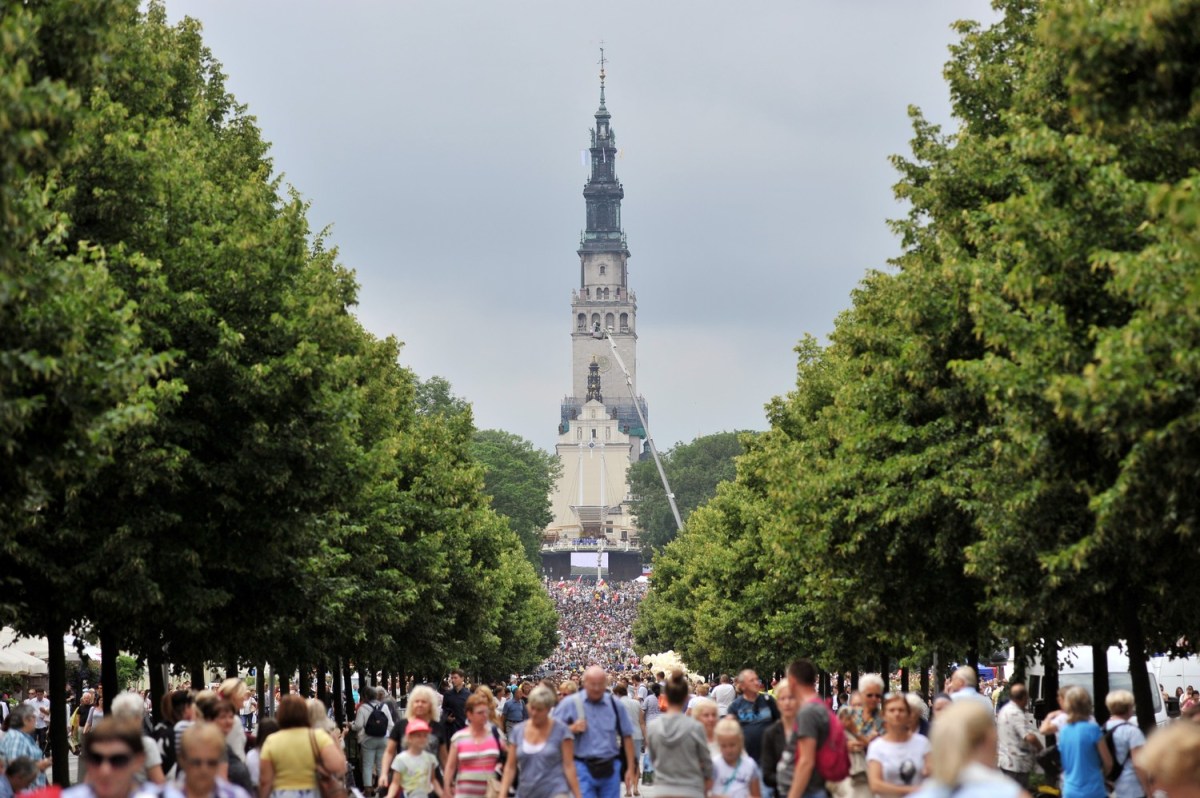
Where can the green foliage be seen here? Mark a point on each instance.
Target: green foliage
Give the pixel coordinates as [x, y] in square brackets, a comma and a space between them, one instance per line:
[694, 471]
[519, 477]
[1001, 434]
[187, 397]
[128, 672]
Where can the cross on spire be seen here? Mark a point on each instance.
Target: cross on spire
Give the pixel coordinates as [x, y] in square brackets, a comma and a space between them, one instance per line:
[602, 62]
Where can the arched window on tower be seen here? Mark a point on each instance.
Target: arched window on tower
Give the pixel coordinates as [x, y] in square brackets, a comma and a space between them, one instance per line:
[581, 322]
[624, 322]
[595, 320]
[609, 321]
[605, 290]
[601, 268]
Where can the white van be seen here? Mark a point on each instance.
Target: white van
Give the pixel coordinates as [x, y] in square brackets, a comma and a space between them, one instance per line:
[1176, 673]
[1075, 668]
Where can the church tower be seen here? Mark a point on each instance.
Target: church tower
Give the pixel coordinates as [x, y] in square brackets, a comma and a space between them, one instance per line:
[600, 434]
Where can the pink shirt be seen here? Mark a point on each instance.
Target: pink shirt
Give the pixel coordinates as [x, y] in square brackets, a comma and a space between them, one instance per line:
[476, 762]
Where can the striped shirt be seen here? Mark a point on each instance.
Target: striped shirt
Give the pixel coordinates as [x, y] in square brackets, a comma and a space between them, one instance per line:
[477, 761]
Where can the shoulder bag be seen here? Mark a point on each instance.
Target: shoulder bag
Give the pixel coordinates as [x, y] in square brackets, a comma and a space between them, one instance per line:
[329, 785]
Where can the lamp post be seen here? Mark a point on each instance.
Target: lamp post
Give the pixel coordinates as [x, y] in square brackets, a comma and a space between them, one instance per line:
[602, 334]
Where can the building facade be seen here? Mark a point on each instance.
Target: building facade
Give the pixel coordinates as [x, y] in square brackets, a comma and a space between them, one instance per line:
[600, 434]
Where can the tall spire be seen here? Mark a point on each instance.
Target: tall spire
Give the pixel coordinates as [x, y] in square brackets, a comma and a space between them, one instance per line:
[603, 61]
[603, 192]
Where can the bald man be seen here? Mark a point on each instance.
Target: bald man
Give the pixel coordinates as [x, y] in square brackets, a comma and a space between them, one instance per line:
[603, 736]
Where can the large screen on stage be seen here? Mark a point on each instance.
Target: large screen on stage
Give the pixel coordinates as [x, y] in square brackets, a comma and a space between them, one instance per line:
[586, 560]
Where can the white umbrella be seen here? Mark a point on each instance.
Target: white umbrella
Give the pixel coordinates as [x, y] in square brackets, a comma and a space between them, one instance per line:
[17, 663]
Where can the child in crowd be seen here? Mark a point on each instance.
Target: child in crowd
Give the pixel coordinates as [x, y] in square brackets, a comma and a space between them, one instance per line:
[735, 775]
[415, 769]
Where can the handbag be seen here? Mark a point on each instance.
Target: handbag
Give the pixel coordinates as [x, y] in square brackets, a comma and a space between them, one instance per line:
[329, 785]
[1051, 762]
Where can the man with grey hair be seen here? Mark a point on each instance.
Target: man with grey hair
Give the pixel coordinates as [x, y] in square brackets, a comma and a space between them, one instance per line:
[373, 722]
[964, 687]
[603, 736]
[20, 741]
[17, 777]
[755, 711]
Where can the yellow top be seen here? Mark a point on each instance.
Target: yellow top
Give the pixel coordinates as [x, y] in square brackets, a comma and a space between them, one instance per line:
[290, 751]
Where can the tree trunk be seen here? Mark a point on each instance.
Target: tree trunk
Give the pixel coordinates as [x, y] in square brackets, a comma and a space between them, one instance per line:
[56, 664]
[904, 679]
[199, 679]
[231, 670]
[925, 682]
[841, 682]
[285, 685]
[339, 704]
[884, 663]
[108, 667]
[973, 657]
[1135, 642]
[304, 681]
[158, 684]
[348, 684]
[1100, 680]
[1019, 663]
[854, 679]
[1050, 679]
[260, 687]
[322, 690]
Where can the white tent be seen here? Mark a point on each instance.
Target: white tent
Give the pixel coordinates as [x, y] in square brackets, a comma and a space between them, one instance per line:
[18, 663]
[38, 647]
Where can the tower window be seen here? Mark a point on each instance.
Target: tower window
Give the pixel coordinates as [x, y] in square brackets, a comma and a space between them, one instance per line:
[624, 322]
[595, 319]
[609, 321]
[602, 268]
[581, 322]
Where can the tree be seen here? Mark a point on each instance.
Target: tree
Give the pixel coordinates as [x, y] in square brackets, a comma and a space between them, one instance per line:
[519, 477]
[694, 471]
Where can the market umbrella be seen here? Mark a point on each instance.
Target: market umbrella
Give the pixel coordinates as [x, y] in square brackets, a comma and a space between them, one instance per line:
[17, 663]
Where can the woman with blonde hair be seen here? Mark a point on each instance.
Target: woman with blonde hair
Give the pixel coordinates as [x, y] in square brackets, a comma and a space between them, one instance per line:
[1171, 759]
[963, 756]
[1127, 740]
[1085, 757]
[422, 705]
[706, 711]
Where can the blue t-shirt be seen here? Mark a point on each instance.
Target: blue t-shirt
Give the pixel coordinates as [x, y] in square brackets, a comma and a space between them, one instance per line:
[1083, 772]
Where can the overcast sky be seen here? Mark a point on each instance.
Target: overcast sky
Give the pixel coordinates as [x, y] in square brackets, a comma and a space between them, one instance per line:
[441, 141]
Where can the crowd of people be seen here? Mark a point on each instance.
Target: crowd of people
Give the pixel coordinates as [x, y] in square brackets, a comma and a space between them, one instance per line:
[595, 625]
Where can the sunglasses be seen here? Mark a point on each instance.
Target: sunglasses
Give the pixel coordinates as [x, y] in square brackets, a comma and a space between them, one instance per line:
[208, 763]
[117, 761]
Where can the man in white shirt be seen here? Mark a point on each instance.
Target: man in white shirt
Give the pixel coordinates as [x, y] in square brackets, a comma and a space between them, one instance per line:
[963, 688]
[41, 708]
[723, 694]
[1017, 738]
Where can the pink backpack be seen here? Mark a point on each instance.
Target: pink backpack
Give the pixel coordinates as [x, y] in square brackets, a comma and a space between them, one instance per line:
[833, 757]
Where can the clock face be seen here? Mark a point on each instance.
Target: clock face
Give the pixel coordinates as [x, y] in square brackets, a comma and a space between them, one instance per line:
[604, 363]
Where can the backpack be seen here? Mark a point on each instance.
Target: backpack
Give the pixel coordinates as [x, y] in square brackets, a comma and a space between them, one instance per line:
[833, 757]
[662, 702]
[1110, 740]
[377, 723]
[164, 736]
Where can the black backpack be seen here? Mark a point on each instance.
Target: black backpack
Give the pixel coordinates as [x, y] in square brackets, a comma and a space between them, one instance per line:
[164, 736]
[1110, 740]
[377, 723]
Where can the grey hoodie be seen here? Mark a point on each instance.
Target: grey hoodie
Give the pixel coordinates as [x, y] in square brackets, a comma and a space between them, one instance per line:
[679, 751]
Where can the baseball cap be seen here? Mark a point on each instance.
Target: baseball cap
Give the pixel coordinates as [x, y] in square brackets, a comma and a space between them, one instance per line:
[416, 726]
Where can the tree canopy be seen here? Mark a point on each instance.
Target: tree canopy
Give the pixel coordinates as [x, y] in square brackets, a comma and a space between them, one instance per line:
[1000, 434]
[694, 470]
[187, 397]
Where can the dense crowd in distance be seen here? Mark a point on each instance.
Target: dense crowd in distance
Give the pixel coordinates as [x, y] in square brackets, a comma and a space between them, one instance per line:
[595, 625]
